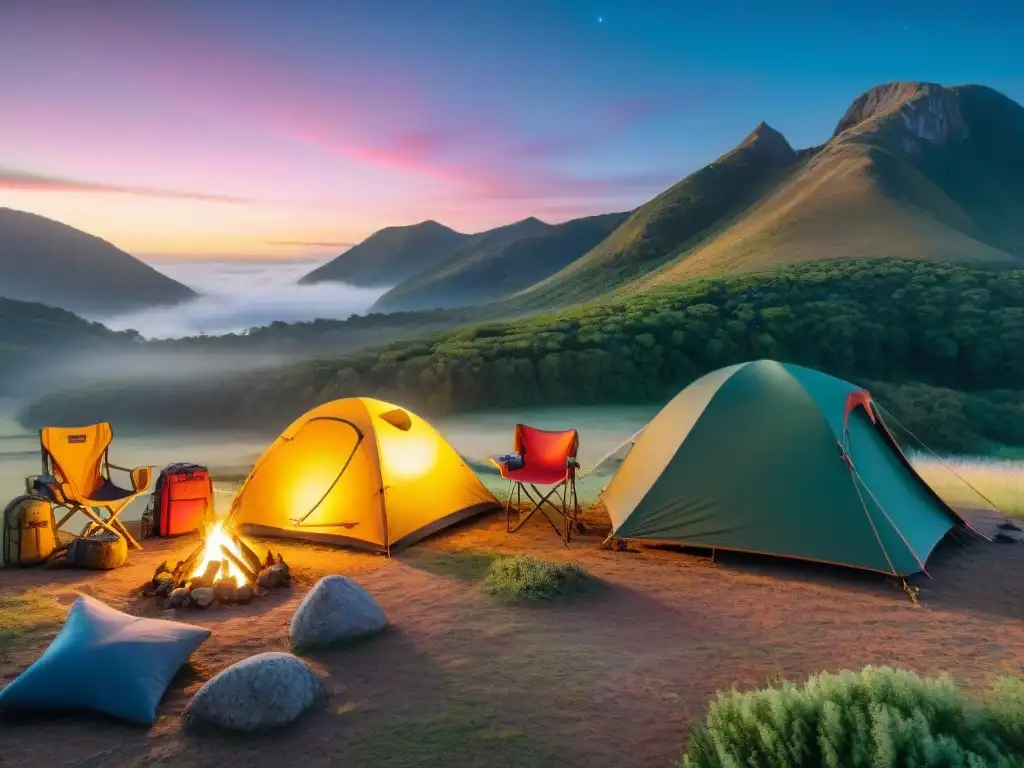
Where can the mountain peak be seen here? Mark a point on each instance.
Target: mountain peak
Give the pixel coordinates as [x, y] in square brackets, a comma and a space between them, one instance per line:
[768, 142]
[917, 111]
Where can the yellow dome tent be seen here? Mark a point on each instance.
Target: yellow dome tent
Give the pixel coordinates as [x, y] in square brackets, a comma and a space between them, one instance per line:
[358, 472]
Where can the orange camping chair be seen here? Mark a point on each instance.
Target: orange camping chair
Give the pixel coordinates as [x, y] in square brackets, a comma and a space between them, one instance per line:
[548, 458]
[76, 475]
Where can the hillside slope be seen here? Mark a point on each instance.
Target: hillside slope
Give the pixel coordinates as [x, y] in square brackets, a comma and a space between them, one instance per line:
[501, 262]
[34, 335]
[46, 261]
[390, 256]
[912, 170]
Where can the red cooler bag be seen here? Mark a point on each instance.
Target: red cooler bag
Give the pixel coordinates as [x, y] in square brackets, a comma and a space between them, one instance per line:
[182, 499]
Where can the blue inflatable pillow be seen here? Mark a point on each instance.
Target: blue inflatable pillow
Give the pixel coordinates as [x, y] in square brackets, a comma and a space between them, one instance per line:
[106, 661]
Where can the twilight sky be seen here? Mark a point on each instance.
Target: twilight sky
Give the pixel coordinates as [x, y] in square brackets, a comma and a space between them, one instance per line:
[192, 128]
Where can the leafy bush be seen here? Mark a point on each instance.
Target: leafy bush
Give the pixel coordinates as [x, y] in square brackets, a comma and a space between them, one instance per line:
[526, 578]
[877, 717]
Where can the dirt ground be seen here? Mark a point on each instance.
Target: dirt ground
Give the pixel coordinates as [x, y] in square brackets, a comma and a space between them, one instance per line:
[613, 678]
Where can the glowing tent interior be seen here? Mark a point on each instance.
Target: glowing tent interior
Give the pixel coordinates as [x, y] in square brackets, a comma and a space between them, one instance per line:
[777, 459]
[358, 472]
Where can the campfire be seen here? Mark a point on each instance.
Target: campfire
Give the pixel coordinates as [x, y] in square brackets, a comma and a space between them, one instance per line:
[222, 569]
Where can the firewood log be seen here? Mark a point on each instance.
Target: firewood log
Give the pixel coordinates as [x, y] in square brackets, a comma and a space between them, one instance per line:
[244, 568]
[255, 564]
[210, 574]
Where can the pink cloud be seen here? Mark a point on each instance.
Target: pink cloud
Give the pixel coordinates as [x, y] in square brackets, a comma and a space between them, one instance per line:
[24, 180]
[311, 243]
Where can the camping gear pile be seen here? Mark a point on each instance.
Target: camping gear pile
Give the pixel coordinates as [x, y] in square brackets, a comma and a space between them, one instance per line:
[182, 500]
[223, 569]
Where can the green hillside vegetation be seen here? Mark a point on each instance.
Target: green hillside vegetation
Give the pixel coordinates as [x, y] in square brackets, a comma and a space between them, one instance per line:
[500, 263]
[679, 219]
[46, 261]
[913, 171]
[915, 326]
[391, 255]
[28, 328]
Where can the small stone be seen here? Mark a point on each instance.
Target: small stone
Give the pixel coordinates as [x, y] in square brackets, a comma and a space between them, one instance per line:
[148, 590]
[268, 578]
[202, 596]
[164, 587]
[244, 594]
[158, 574]
[259, 591]
[283, 574]
[224, 590]
[178, 598]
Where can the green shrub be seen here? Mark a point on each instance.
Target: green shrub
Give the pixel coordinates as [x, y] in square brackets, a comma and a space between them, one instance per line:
[526, 578]
[878, 717]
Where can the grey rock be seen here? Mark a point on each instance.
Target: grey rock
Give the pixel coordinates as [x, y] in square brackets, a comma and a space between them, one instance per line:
[178, 598]
[164, 587]
[202, 596]
[225, 590]
[335, 610]
[283, 575]
[268, 578]
[244, 594]
[264, 691]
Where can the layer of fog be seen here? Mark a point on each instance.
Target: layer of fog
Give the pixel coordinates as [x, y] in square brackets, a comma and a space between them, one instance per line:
[237, 295]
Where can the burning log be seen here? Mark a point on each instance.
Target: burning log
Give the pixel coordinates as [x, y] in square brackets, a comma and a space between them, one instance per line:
[210, 574]
[183, 570]
[243, 567]
[255, 564]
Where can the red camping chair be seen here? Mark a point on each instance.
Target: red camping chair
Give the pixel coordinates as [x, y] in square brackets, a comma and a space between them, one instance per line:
[548, 458]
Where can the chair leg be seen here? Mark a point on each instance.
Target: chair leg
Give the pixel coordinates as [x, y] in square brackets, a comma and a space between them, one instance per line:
[557, 492]
[508, 508]
[116, 522]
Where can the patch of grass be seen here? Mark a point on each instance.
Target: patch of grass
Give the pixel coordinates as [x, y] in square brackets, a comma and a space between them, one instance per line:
[464, 565]
[27, 613]
[878, 716]
[454, 738]
[527, 578]
[999, 480]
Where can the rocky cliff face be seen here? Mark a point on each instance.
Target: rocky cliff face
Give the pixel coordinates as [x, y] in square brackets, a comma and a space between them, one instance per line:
[907, 113]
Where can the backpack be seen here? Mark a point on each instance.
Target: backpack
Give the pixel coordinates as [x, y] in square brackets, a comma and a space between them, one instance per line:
[30, 531]
[182, 499]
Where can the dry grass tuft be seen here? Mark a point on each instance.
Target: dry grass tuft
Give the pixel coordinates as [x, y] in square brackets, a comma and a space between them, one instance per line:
[959, 482]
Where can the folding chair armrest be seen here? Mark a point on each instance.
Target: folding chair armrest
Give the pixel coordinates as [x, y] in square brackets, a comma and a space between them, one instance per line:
[141, 476]
[44, 484]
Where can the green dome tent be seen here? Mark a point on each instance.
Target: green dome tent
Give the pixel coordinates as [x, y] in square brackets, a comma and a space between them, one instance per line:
[782, 460]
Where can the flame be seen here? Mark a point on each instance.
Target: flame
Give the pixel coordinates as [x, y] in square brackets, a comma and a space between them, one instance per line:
[213, 538]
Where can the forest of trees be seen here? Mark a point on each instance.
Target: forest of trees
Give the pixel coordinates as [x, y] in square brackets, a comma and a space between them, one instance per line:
[944, 340]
